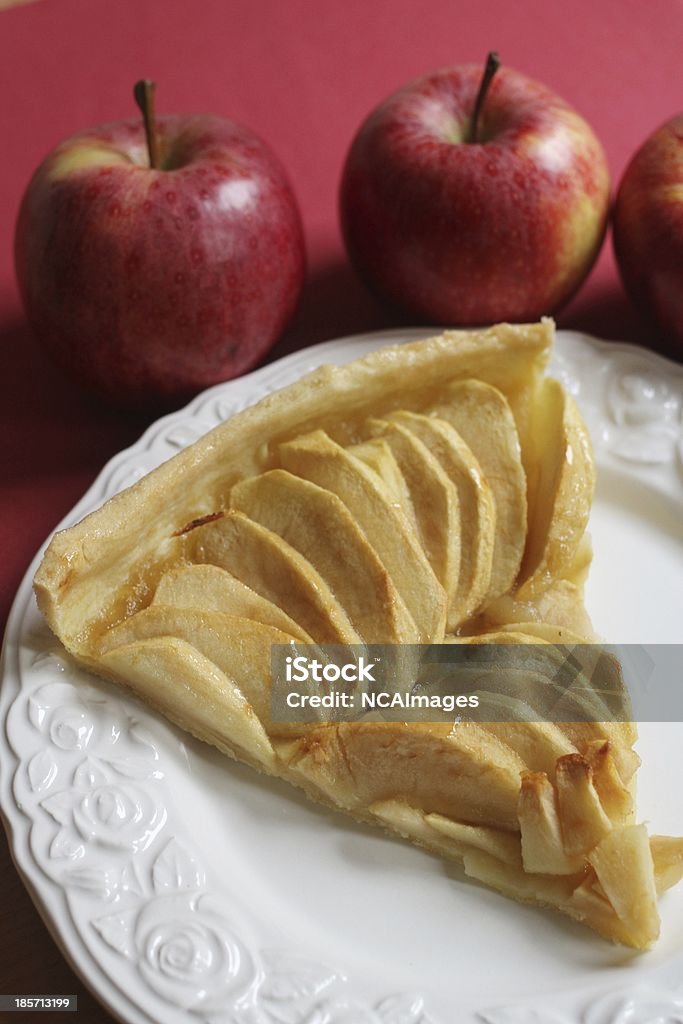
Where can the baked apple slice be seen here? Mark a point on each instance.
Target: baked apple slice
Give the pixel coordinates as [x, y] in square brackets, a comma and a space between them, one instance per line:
[316, 457]
[378, 456]
[188, 688]
[476, 509]
[269, 565]
[482, 417]
[215, 589]
[561, 482]
[240, 648]
[319, 526]
[435, 504]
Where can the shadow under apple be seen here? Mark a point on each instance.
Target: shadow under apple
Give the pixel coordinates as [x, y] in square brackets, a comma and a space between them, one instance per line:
[51, 424]
[334, 303]
[605, 311]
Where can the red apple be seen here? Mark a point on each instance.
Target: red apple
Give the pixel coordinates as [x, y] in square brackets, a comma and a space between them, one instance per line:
[471, 217]
[151, 267]
[648, 228]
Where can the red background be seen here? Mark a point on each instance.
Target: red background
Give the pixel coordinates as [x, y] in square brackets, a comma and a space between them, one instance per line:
[303, 74]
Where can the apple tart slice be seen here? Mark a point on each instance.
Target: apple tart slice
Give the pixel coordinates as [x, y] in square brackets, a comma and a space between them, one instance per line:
[427, 493]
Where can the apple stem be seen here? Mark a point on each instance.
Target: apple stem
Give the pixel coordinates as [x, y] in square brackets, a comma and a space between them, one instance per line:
[492, 65]
[143, 91]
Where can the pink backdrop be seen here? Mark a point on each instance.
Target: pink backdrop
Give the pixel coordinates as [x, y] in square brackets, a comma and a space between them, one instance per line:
[303, 73]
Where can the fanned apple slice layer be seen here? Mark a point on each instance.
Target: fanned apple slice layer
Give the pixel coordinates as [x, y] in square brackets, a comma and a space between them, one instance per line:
[432, 492]
[108, 565]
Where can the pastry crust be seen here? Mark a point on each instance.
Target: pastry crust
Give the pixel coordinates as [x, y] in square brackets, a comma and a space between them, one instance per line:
[459, 482]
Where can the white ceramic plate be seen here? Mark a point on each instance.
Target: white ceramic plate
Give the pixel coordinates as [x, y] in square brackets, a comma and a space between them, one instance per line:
[185, 888]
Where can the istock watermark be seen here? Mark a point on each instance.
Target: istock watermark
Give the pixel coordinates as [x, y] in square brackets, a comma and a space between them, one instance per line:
[318, 683]
[302, 669]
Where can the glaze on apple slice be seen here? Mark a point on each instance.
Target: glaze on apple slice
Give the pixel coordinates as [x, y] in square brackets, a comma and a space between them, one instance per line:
[464, 773]
[435, 503]
[561, 481]
[180, 682]
[275, 570]
[215, 590]
[378, 456]
[239, 647]
[319, 526]
[316, 457]
[477, 511]
[484, 420]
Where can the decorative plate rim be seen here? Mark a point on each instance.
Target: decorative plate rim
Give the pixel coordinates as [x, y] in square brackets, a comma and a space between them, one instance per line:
[649, 407]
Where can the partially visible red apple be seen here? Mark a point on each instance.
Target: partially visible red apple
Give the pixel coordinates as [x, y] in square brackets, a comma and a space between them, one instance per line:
[153, 266]
[470, 199]
[648, 228]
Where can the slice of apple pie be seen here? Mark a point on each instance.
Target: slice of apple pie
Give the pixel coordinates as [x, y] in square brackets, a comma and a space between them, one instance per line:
[428, 493]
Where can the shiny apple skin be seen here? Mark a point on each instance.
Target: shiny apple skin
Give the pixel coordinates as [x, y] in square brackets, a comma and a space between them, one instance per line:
[648, 229]
[461, 233]
[157, 283]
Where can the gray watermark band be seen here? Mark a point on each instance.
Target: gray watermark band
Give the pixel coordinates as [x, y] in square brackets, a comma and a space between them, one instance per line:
[479, 682]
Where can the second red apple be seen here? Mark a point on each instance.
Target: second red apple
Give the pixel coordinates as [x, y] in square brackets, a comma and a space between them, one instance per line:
[469, 199]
